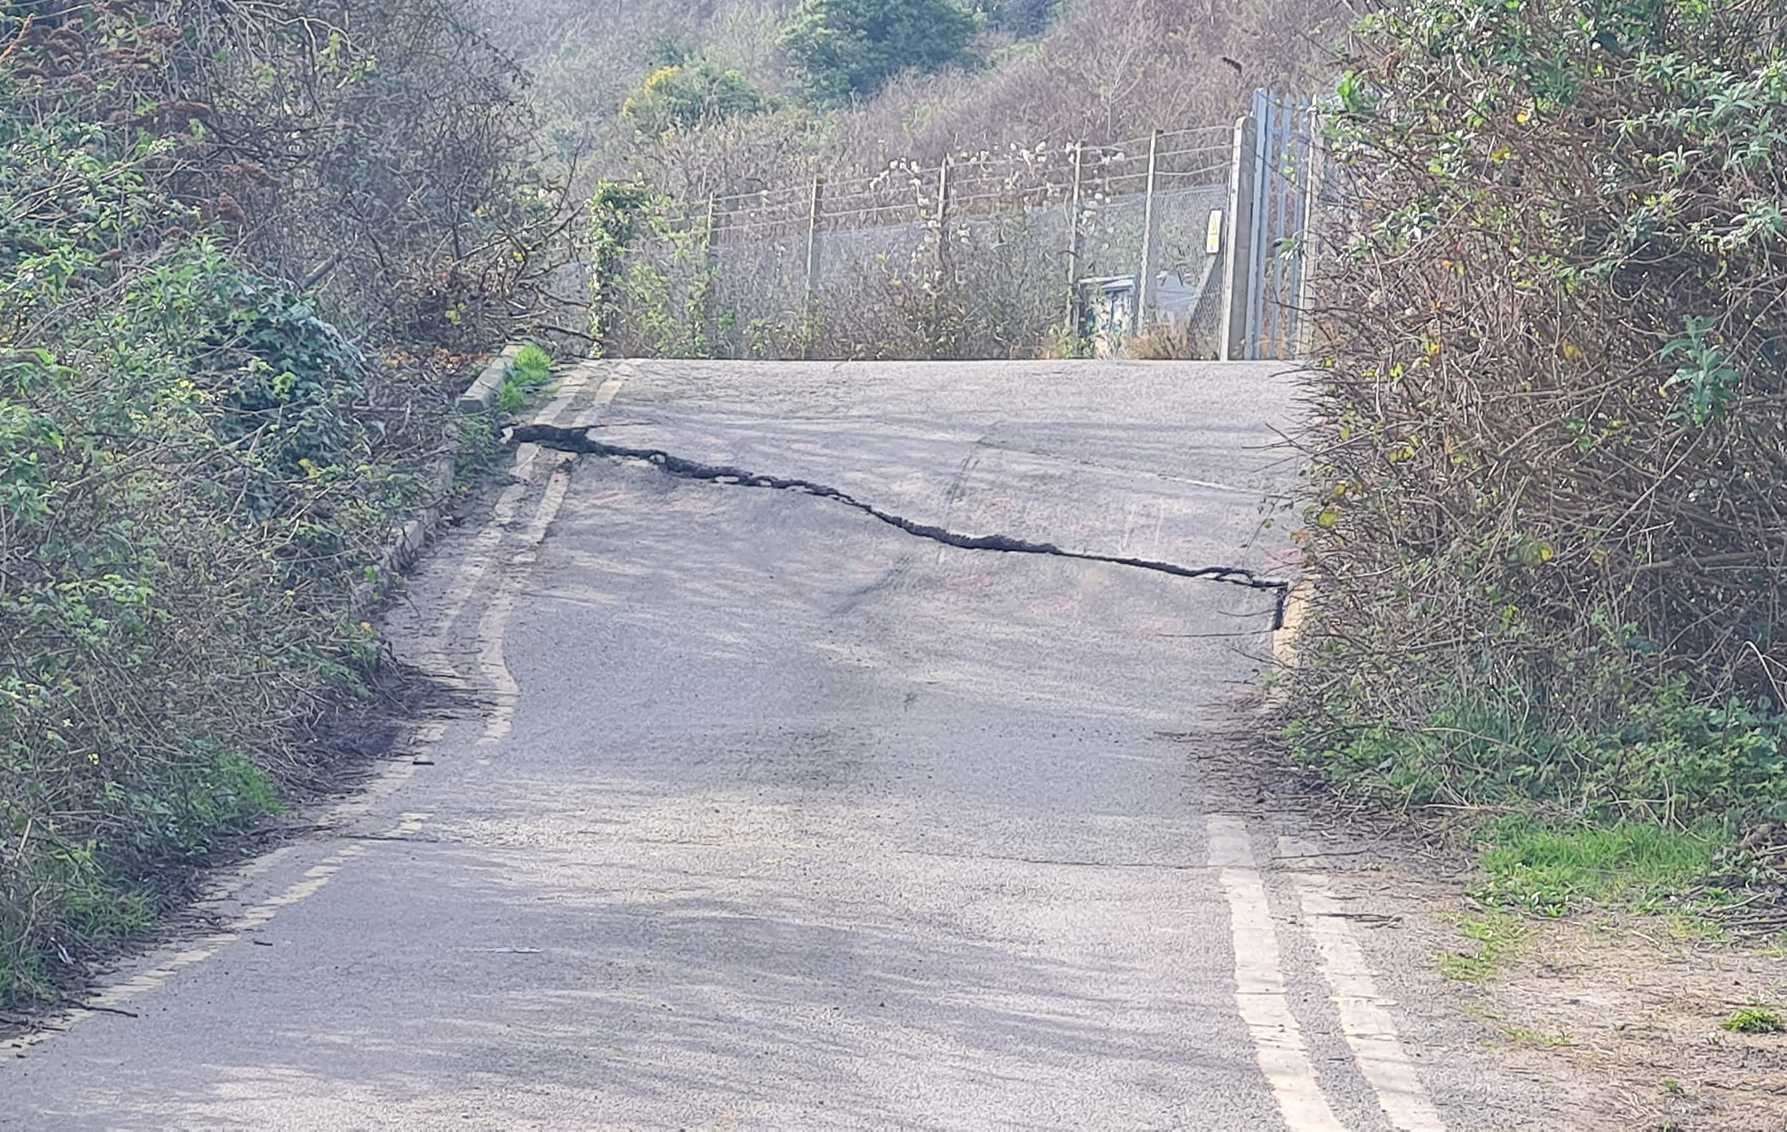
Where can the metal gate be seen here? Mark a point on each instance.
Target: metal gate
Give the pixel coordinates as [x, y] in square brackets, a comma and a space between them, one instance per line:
[1269, 191]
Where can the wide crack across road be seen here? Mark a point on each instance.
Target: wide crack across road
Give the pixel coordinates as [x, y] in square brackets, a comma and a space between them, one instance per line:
[580, 440]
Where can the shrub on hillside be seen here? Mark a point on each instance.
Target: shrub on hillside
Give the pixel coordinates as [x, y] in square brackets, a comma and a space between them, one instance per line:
[682, 96]
[1546, 519]
[850, 48]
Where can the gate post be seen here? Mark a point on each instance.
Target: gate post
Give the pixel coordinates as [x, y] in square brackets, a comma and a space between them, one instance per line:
[1144, 284]
[1236, 270]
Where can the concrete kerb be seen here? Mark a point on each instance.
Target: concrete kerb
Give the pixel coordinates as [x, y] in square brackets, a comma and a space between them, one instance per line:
[410, 538]
[482, 393]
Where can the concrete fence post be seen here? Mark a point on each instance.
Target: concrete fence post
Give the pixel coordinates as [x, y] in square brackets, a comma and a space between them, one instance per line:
[943, 219]
[710, 268]
[1144, 284]
[938, 298]
[1073, 242]
[1236, 270]
[815, 207]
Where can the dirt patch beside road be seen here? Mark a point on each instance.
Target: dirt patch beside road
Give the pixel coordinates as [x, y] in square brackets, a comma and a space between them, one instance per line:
[1630, 1019]
[1619, 1014]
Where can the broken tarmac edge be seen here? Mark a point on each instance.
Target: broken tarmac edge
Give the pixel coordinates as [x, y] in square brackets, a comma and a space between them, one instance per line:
[1287, 635]
[1296, 610]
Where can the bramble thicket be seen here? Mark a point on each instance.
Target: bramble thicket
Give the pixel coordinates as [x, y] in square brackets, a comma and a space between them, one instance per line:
[1545, 517]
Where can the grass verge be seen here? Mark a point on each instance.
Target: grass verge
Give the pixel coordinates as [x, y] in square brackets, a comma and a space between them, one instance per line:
[1663, 806]
[478, 437]
[1551, 870]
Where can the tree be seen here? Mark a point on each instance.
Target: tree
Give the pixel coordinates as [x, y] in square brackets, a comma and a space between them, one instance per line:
[687, 95]
[1017, 17]
[850, 48]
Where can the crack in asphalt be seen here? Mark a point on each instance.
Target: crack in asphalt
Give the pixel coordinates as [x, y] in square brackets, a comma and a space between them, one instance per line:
[578, 440]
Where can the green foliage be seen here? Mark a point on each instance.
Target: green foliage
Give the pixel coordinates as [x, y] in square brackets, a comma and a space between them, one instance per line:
[292, 380]
[1067, 342]
[532, 366]
[207, 790]
[669, 51]
[197, 463]
[1545, 506]
[850, 48]
[657, 304]
[667, 303]
[530, 372]
[1755, 1020]
[683, 96]
[477, 448]
[619, 213]
[1706, 379]
[1664, 758]
[1552, 870]
[188, 498]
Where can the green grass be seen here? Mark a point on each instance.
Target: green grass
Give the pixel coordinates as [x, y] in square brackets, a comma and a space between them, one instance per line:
[530, 372]
[1552, 870]
[1661, 756]
[1500, 938]
[1755, 1020]
[21, 978]
[101, 893]
[478, 447]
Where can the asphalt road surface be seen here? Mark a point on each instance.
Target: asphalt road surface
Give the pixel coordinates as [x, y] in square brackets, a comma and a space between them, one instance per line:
[771, 814]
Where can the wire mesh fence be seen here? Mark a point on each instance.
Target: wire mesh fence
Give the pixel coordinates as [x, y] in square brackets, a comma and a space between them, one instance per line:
[1020, 253]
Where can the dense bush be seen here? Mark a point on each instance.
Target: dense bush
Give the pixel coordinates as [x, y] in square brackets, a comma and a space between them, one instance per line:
[376, 151]
[1547, 523]
[185, 495]
[851, 48]
[682, 96]
[215, 230]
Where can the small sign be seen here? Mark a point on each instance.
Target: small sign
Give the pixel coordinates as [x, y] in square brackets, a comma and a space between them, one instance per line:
[1213, 234]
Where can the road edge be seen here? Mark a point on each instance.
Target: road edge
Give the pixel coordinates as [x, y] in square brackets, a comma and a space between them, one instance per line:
[411, 537]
